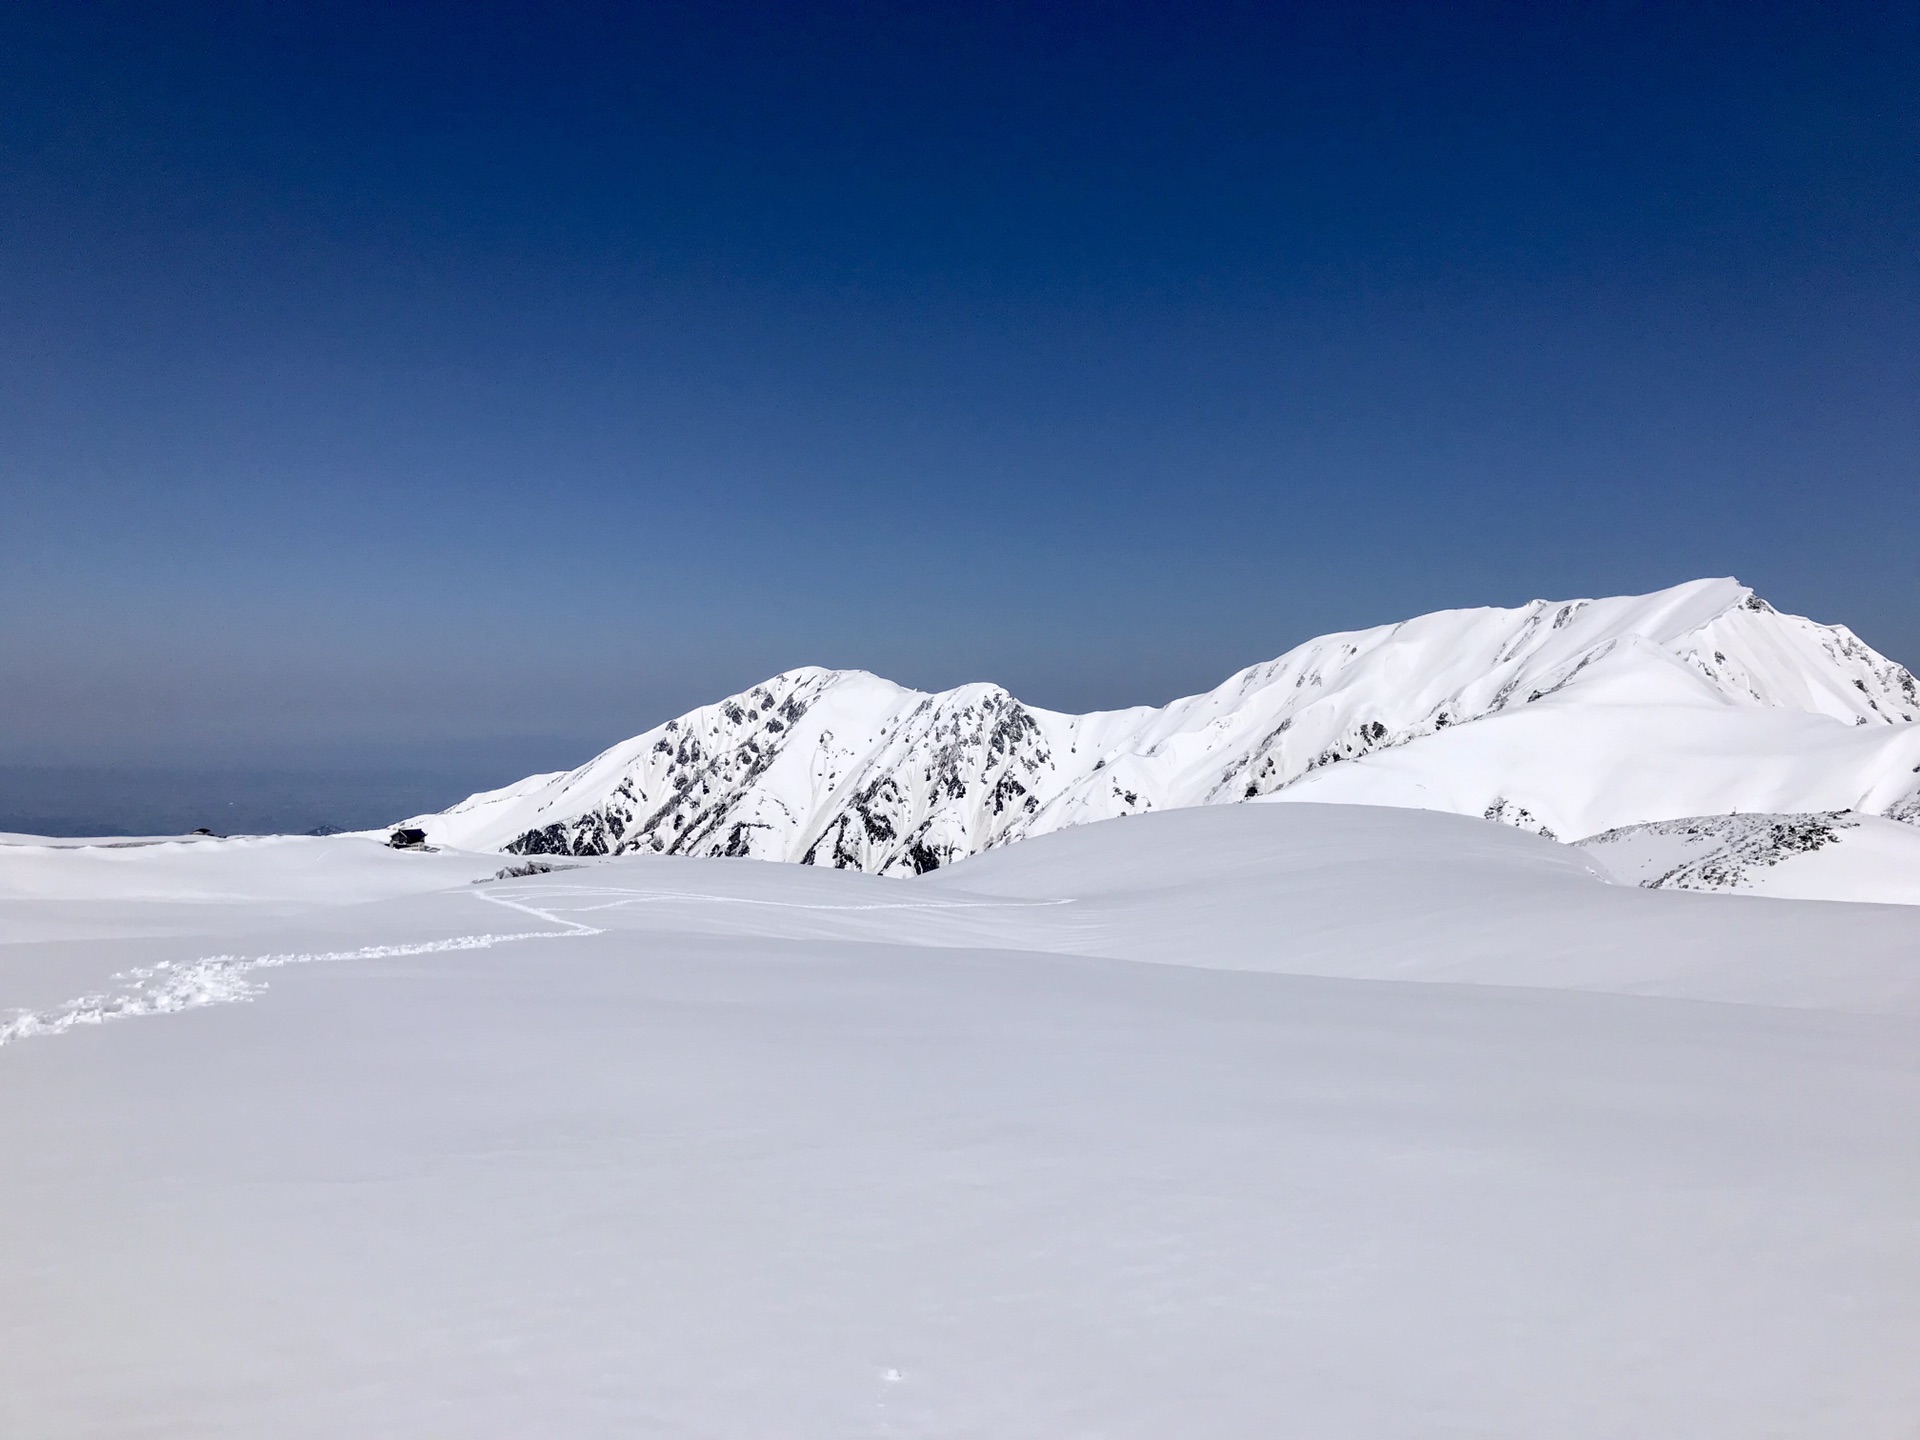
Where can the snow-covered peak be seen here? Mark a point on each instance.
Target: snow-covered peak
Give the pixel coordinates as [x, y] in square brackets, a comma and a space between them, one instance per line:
[843, 768]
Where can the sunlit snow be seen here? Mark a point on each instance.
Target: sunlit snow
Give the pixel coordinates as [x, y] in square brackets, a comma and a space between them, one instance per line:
[1566, 718]
[1563, 1079]
[1249, 1120]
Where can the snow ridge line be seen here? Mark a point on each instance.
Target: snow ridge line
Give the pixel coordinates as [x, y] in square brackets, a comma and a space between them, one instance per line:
[170, 986]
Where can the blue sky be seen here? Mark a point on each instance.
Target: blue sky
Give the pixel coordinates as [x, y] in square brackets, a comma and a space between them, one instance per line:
[410, 385]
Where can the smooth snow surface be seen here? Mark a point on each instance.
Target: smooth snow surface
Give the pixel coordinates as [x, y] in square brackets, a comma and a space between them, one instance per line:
[1565, 718]
[1232, 1121]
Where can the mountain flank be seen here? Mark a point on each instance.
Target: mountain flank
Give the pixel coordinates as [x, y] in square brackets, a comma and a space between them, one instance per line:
[1567, 718]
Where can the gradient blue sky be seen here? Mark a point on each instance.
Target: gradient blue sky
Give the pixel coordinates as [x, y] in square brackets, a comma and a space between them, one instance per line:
[401, 381]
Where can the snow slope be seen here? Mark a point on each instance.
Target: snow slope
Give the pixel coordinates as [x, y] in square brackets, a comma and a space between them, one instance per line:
[1229, 1121]
[1833, 856]
[1565, 718]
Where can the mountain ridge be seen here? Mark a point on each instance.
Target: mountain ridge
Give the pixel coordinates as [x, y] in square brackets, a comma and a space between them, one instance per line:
[1720, 701]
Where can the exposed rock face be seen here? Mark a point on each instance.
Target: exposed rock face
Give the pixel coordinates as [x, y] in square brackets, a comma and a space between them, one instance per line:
[1724, 701]
[1714, 852]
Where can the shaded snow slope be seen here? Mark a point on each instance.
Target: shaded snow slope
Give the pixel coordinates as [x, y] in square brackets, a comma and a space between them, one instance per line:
[699, 1148]
[1568, 718]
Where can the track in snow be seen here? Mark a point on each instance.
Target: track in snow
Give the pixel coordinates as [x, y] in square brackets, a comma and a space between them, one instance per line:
[170, 986]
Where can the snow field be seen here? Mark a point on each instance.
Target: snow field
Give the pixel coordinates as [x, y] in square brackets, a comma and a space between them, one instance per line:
[762, 1149]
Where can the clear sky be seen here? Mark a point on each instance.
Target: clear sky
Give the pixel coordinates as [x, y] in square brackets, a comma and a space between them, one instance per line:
[398, 381]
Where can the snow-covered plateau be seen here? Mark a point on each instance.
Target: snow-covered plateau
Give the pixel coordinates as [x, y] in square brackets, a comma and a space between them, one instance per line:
[1381, 1119]
[1329, 1120]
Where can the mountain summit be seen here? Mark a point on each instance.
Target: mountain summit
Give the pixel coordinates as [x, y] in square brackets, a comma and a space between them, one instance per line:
[1564, 717]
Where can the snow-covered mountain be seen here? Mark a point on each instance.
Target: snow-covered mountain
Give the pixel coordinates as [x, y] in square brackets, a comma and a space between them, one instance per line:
[1567, 718]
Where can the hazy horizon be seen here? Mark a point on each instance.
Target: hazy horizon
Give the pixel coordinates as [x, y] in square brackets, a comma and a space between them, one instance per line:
[330, 788]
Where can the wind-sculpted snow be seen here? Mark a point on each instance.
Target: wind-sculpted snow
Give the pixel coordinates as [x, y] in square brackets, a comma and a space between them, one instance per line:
[1564, 718]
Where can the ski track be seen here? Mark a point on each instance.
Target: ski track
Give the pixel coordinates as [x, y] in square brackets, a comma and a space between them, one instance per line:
[170, 986]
